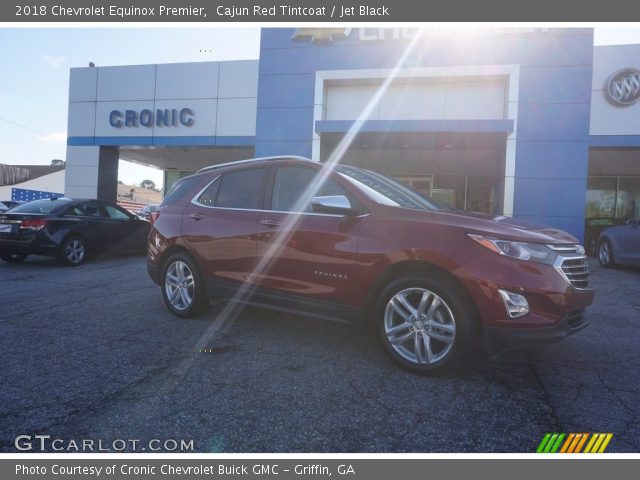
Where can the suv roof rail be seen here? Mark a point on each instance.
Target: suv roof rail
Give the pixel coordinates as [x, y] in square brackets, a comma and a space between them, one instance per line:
[252, 160]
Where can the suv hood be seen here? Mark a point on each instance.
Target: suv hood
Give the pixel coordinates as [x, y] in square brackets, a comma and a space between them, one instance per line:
[494, 226]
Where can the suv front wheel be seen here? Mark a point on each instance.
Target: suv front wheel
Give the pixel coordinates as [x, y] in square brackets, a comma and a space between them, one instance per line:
[424, 323]
[182, 286]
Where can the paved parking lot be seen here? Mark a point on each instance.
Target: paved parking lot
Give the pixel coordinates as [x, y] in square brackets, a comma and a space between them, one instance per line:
[91, 352]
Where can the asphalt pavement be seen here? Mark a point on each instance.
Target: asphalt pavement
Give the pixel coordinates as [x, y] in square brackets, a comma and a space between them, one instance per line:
[92, 353]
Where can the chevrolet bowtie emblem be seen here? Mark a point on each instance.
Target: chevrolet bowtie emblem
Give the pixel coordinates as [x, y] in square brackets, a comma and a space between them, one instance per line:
[321, 35]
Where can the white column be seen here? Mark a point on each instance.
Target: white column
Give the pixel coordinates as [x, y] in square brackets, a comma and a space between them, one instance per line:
[82, 172]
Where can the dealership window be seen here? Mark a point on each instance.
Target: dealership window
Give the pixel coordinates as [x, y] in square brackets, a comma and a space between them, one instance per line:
[463, 192]
[628, 197]
[601, 197]
[613, 197]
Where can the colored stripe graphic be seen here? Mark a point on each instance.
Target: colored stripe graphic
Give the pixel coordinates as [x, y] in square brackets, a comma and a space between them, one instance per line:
[605, 443]
[553, 443]
[578, 448]
[574, 443]
[543, 443]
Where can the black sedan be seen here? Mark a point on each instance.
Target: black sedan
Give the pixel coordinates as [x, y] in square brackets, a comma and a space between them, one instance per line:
[69, 230]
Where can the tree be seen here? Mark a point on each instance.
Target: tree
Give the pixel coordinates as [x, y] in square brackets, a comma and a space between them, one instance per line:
[56, 162]
[148, 184]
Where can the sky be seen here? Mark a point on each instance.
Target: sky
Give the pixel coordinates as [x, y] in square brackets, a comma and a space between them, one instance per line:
[34, 76]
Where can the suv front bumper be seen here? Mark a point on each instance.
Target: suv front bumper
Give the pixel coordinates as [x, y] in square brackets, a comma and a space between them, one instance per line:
[497, 339]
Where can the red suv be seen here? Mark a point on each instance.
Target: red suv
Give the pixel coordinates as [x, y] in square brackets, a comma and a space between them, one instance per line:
[348, 244]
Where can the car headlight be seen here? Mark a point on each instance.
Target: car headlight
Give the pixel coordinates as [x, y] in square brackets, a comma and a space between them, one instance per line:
[534, 252]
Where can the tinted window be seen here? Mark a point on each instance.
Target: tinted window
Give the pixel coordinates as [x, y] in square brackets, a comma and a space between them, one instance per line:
[180, 188]
[87, 209]
[294, 187]
[208, 197]
[41, 206]
[241, 189]
[116, 213]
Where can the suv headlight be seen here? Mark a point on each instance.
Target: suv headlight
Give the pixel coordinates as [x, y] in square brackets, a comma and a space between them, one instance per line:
[534, 252]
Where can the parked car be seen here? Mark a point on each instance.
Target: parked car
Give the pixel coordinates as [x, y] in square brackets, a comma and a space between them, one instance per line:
[69, 230]
[3, 207]
[593, 228]
[347, 244]
[620, 245]
[146, 211]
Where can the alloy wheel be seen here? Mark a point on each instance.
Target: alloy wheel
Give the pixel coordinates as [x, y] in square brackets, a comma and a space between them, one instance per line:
[74, 251]
[604, 253]
[179, 285]
[419, 326]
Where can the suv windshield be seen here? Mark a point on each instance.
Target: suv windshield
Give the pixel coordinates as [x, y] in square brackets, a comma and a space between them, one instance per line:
[388, 191]
[41, 206]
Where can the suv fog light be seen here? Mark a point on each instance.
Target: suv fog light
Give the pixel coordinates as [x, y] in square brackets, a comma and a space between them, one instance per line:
[515, 303]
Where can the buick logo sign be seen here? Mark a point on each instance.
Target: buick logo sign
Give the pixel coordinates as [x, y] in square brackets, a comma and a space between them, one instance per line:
[623, 87]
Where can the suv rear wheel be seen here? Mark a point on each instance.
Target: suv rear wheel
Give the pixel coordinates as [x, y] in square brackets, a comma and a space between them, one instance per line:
[424, 323]
[182, 286]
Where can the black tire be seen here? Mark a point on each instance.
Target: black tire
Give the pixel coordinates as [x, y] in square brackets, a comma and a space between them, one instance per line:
[453, 301]
[72, 251]
[14, 257]
[592, 247]
[605, 254]
[196, 292]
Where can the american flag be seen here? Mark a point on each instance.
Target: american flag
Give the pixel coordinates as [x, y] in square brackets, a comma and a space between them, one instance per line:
[24, 195]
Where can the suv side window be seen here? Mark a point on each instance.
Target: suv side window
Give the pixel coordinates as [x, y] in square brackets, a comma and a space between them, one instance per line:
[291, 183]
[208, 197]
[179, 189]
[242, 189]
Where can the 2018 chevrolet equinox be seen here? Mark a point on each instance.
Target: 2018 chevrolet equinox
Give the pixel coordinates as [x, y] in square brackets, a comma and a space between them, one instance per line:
[352, 245]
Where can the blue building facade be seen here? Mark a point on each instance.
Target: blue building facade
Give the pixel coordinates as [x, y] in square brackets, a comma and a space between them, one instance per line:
[530, 122]
[545, 119]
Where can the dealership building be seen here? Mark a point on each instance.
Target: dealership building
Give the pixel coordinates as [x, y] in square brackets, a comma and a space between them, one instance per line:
[534, 123]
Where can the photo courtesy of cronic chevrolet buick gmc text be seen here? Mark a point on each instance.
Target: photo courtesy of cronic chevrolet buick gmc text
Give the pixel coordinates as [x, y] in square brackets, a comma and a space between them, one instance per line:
[348, 244]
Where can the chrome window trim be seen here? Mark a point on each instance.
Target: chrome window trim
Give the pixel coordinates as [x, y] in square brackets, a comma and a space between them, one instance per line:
[278, 211]
[195, 201]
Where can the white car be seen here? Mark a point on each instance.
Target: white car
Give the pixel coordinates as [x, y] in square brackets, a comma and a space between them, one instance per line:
[145, 212]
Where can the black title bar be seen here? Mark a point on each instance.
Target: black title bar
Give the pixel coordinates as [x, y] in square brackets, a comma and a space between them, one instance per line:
[315, 11]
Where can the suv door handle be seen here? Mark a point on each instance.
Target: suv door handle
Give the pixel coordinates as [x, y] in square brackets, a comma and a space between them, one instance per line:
[271, 223]
[196, 216]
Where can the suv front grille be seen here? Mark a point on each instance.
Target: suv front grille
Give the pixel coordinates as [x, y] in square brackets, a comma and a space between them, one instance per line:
[572, 264]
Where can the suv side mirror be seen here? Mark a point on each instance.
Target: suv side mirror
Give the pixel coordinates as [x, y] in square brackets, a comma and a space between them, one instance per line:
[333, 204]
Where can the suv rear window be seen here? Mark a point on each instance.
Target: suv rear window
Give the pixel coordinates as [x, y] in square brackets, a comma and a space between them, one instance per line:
[180, 188]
